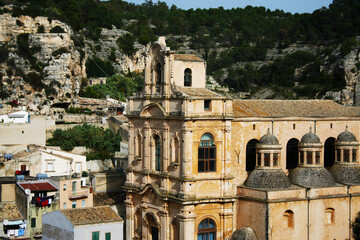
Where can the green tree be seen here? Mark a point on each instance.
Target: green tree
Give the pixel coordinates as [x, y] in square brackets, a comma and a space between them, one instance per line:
[356, 227]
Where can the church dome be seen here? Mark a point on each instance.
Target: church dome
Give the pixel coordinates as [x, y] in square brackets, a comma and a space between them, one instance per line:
[245, 233]
[269, 139]
[310, 138]
[311, 177]
[346, 136]
[346, 173]
[267, 178]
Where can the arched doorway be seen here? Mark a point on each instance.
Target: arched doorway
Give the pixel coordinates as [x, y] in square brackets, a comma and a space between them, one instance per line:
[251, 154]
[292, 153]
[207, 230]
[153, 227]
[329, 152]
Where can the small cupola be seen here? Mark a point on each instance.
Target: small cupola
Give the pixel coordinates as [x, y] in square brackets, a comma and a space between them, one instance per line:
[268, 173]
[268, 152]
[310, 171]
[346, 169]
[310, 150]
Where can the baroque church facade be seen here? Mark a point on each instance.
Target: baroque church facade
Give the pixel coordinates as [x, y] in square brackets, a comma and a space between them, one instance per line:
[203, 166]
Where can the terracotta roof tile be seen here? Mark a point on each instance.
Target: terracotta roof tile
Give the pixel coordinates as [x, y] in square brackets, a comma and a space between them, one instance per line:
[187, 57]
[37, 186]
[91, 215]
[197, 92]
[292, 108]
[9, 211]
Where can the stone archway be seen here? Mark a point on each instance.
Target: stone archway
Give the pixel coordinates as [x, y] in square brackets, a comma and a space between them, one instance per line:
[292, 154]
[251, 155]
[329, 152]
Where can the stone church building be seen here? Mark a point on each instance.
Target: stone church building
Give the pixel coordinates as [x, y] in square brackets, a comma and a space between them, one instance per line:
[204, 167]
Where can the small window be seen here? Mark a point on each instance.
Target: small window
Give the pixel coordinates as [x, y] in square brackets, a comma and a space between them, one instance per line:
[95, 236]
[301, 157]
[254, 127]
[330, 125]
[329, 216]
[73, 204]
[83, 203]
[267, 159]
[346, 155]
[317, 157]
[354, 155]
[275, 159]
[64, 186]
[108, 236]
[289, 219]
[33, 222]
[64, 206]
[187, 77]
[294, 126]
[50, 167]
[207, 105]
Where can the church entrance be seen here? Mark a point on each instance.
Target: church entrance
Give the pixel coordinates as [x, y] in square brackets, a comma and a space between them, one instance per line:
[154, 233]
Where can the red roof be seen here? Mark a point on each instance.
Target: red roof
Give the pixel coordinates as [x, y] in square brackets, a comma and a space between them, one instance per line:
[38, 186]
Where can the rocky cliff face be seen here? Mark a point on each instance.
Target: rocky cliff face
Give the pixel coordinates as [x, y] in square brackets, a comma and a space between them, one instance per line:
[45, 67]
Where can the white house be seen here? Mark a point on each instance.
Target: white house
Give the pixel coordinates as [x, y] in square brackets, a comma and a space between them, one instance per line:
[93, 223]
[15, 117]
[37, 159]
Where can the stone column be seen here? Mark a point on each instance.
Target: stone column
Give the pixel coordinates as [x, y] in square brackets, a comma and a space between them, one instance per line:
[147, 86]
[187, 227]
[130, 175]
[146, 158]
[130, 214]
[165, 224]
[186, 152]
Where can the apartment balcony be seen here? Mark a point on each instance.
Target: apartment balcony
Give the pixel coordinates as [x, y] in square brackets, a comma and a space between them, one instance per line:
[84, 193]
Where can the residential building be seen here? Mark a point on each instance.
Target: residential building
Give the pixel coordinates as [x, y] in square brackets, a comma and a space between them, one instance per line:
[23, 132]
[73, 192]
[38, 159]
[93, 223]
[203, 166]
[34, 198]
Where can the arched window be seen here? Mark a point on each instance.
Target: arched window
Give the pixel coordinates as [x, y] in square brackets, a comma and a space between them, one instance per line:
[158, 73]
[251, 154]
[206, 230]
[207, 154]
[288, 219]
[187, 77]
[329, 152]
[292, 155]
[329, 216]
[157, 153]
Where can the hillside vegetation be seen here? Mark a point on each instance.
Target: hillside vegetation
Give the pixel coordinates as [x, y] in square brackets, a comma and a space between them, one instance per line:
[235, 43]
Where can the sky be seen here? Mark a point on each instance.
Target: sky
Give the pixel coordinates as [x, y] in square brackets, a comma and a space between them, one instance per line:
[293, 6]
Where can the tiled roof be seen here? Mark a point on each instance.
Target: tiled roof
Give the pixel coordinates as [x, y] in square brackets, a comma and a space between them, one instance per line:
[292, 108]
[197, 92]
[9, 211]
[38, 186]
[187, 57]
[108, 198]
[91, 215]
